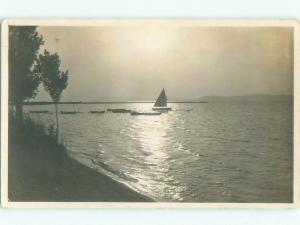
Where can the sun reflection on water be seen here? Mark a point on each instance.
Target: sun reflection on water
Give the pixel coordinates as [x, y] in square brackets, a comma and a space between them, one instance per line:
[152, 134]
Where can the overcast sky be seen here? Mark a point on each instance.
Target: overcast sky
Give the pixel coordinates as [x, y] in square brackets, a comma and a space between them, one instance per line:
[135, 63]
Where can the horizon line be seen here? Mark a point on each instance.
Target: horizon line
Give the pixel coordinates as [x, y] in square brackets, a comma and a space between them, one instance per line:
[103, 102]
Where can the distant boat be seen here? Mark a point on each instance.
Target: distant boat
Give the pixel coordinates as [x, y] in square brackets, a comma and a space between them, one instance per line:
[161, 102]
[39, 111]
[69, 112]
[134, 113]
[119, 110]
[97, 111]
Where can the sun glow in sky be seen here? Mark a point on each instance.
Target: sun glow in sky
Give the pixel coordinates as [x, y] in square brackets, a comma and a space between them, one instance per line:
[135, 63]
[152, 43]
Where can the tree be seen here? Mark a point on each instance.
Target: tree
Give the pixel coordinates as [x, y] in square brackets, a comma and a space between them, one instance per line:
[54, 80]
[24, 44]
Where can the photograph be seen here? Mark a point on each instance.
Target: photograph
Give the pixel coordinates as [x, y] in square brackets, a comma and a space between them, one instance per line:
[149, 113]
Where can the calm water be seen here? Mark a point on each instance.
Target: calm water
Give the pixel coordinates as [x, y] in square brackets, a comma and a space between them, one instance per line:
[217, 152]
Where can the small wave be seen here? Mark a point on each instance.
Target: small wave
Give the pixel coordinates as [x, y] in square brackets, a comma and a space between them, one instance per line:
[219, 183]
[275, 139]
[146, 153]
[236, 140]
[113, 171]
[88, 155]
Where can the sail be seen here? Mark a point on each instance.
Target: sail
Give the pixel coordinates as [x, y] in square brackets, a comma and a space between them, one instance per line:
[161, 100]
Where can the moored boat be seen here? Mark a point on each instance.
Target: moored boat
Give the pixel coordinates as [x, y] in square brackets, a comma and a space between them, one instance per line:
[68, 112]
[119, 110]
[39, 111]
[135, 113]
[97, 112]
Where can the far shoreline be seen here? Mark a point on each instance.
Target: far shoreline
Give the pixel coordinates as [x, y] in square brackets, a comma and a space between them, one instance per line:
[127, 102]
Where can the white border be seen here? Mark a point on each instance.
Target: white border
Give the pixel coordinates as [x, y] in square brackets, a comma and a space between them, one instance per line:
[144, 22]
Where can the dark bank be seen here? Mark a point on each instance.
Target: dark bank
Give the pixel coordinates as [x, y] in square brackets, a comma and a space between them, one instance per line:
[40, 170]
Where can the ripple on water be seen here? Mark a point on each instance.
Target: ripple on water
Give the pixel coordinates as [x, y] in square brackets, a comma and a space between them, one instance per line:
[217, 152]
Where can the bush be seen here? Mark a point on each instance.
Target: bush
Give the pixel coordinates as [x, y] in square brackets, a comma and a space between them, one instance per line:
[33, 136]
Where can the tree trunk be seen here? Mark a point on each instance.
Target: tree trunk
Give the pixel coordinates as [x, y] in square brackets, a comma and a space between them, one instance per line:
[57, 124]
[19, 112]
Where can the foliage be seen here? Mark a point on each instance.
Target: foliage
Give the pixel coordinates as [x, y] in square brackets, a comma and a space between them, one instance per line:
[54, 80]
[32, 135]
[24, 44]
[51, 130]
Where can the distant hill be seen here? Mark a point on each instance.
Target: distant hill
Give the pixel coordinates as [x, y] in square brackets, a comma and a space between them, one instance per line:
[248, 98]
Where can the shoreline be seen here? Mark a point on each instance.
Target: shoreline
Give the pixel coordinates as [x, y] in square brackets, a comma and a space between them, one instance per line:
[40, 170]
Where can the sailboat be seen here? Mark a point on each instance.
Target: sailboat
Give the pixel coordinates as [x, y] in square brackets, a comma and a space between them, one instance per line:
[161, 102]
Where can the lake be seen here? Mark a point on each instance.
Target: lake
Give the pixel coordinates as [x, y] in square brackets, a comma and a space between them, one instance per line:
[208, 152]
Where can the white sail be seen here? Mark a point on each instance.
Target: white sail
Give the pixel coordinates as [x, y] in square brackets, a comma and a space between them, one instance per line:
[161, 100]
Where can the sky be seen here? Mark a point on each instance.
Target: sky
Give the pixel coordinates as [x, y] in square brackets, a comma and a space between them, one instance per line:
[135, 63]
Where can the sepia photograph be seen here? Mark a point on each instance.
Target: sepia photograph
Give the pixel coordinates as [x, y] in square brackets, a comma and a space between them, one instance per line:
[183, 113]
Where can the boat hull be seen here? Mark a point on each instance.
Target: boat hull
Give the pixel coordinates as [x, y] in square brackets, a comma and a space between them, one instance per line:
[162, 108]
[119, 110]
[41, 111]
[67, 113]
[97, 112]
[145, 113]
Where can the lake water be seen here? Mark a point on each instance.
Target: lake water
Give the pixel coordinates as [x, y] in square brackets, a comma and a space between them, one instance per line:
[216, 152]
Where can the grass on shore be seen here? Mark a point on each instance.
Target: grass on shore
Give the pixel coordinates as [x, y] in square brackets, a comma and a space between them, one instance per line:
[40, 170]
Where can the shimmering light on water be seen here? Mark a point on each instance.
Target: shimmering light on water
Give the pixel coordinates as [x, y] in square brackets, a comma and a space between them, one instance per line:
[217, 152]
